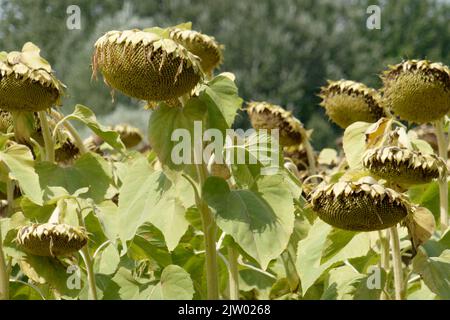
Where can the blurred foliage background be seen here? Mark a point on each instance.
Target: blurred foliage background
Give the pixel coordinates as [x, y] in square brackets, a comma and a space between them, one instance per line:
[280, 50]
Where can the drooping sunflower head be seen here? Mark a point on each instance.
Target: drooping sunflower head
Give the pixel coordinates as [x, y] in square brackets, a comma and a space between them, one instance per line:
[27, 82]
[264, 115]
[51, 239]
[146, 65]
[364, 205]
[67, 151]
[6, 121]
[417, 90]
[129, 135]
[202, 45]
[298, 156]
[403, 166]
[347, 101]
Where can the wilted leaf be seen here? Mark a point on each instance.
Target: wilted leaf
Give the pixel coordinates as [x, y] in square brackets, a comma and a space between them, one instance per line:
[354, 143]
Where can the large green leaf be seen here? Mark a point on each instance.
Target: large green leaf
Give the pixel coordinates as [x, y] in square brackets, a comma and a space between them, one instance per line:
[19, 160]
[107, 260]
[175, 284]
[427, 196]
[50, 271]
[354, 143]
[89, 171]
[166, 121]
[86, 116]
[260, 221]
[221, 97]
[435, 272]
[149, 196]
[312, 248]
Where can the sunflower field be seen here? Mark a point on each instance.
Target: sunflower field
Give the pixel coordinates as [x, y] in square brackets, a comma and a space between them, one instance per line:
[123, 215]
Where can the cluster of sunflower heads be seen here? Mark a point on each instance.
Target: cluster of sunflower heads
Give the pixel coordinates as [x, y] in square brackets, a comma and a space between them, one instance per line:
[404, 166]
[417, 90]
[27, 82]
[347, 101]
[51, 239]
[364, 205]
[264, 115]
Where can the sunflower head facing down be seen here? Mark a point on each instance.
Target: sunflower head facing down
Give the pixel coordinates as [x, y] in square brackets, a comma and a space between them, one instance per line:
[364, 205]
[51, 239]
[417, 91]
[203, 46]
[146, 65]
[27, 82]
[347, 101]
[264, 115]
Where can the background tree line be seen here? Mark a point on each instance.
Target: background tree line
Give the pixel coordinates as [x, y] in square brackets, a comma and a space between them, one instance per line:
[282, 51]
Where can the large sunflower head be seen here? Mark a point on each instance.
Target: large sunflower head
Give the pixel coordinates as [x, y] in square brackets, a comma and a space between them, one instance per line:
[417, 90]
[403, 166]
[203, 46]
[264, 115]
[347, 101]
[27, 82]
[364, 205]
[146, 65]
[51, 239]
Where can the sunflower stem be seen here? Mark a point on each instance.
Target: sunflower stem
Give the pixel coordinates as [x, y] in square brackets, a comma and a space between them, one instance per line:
[4, 275]
[88, 262]
[73, 132]
[397, 264]
[311, 159]
[209, 231]
[443, 184]
[10, 195]
[384, 246]
[48, 139]
[233, 255]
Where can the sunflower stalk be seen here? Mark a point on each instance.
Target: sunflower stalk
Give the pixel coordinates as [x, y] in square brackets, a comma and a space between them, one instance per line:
[233, 255]
[443, 184]
[397, 264]
[48, 139]
[4, 274]
[385, 265]
[88, 262]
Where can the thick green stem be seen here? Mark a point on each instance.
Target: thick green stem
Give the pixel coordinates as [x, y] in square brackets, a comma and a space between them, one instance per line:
[88, 262]
[209, 230]
[90, 273]
[385, 265]
[73, 132]
[233, 255]
[397, 264]
[4, 275]
[48, 139]
[10, 195]
[443, 184]
[311, 159]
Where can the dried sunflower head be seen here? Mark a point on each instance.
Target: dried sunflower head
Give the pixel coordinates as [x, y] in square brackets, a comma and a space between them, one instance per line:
[145, 65]
[364, 205]
[417, 90]
[67, 151]
[27, 82]
[129, 135]
[6, 121]
[202, 45]
[298, 156]
[404, 166]
[264, 115]
[347, 101]
[51, 239]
